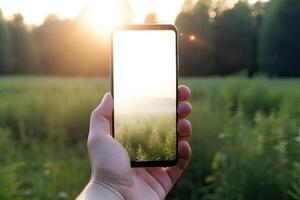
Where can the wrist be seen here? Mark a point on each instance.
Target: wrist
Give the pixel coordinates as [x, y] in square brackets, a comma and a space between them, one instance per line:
[99, 190]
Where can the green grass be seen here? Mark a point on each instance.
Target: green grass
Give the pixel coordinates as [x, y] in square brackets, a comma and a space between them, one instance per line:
[148, 138]
[246, 138]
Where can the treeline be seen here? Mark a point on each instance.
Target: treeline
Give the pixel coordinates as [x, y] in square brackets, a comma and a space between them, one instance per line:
[214, 40]
[250, 39]
[60, 47]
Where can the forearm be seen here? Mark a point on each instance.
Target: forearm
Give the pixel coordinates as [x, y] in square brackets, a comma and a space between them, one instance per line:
[97, 191]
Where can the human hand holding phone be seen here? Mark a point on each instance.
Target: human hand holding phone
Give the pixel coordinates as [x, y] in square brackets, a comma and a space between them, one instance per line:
[112, 176]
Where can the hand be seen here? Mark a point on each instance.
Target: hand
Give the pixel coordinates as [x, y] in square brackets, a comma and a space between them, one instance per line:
[112, 177]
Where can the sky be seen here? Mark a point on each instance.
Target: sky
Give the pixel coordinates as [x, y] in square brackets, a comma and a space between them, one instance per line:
[35, 11]
[126, 47]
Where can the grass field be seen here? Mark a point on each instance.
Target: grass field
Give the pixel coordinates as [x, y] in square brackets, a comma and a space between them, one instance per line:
[148, 138]
[246, 138]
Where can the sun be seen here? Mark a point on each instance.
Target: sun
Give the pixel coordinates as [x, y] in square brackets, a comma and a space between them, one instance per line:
[102, 16]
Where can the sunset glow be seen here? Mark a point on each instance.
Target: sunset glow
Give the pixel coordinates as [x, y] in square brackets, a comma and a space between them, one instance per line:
[130, 66]
[103, 13]
[102, 16]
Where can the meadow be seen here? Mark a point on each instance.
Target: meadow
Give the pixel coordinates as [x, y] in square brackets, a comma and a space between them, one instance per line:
[148, 138]
[245, 142]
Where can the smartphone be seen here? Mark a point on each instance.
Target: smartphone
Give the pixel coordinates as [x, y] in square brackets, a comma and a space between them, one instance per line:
[144, 85]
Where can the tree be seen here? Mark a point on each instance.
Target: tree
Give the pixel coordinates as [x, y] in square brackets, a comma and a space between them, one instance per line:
[258, 11]
[279, 42]
[151, 18]
[234, 39]
[125, 11]
[65, 48]
[24, 46]
[6, 55]
[196, 41]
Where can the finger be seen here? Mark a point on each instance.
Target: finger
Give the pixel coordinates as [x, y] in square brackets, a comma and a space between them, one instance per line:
[184, 129]
[101, 116]
[184, 109]
[184, 157]
[184, 92]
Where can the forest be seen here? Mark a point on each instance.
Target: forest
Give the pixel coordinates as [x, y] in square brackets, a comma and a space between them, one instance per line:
[249, 39]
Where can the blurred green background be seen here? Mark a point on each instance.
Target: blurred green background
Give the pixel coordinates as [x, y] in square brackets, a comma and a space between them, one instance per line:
[240, 59]
[245, 141]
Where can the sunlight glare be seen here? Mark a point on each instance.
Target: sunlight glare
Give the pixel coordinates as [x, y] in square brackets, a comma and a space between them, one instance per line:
[134, 70]
[166, 10]
[192, 38]
[103, 15]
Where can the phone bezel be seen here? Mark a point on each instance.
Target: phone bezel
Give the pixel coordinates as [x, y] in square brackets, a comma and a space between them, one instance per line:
[166, 163]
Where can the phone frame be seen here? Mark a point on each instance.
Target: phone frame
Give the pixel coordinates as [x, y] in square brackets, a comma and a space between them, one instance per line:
[165, 163]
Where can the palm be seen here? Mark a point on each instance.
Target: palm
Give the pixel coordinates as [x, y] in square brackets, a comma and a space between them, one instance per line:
[150, 182]
[153, 182]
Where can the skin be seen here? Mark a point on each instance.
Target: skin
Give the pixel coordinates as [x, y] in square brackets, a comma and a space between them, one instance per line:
[112, 177]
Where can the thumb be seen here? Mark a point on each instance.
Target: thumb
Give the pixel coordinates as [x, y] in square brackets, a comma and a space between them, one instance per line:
[101, 116]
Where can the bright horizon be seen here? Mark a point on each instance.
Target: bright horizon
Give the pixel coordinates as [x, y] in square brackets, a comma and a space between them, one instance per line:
[130, 67]
[166, 10]
[35, 11]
